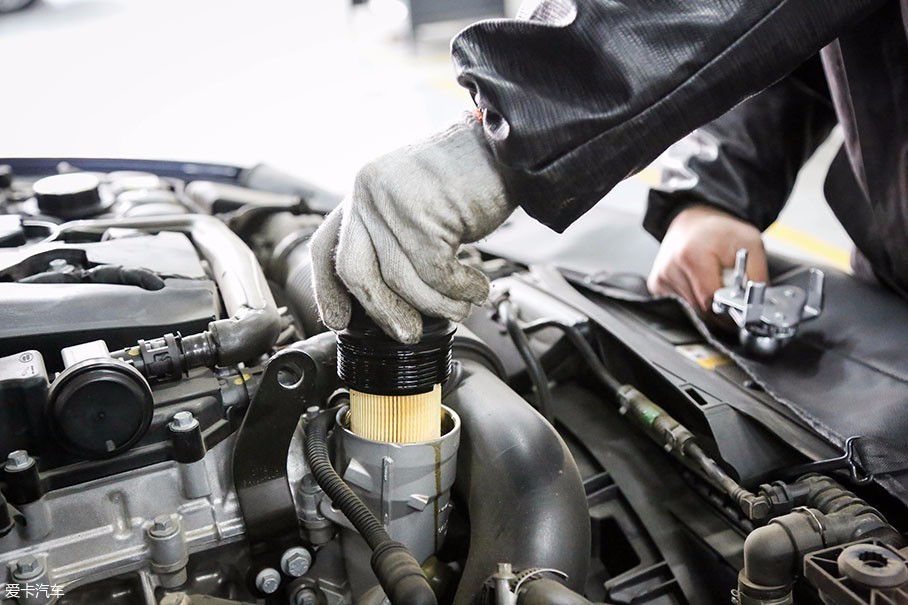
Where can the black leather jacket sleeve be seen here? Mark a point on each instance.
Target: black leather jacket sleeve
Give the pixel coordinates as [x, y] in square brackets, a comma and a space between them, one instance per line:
[746, 161]
[583, 93]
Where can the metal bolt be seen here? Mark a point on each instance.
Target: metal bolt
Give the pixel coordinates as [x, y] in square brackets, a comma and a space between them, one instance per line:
[28, 568]
[162, 527]
[505, 569]
[296, 561]
[184, 421]
[306, 596]
[18, 461]
[308, 484]
[268, 580]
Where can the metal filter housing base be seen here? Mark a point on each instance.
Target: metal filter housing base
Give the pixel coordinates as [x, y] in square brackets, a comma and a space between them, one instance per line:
[407, 486]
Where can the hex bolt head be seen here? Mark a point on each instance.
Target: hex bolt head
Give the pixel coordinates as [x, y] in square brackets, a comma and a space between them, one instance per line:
[268, 580]
[306, 596]
[163, 527]
[183, 421]
[296, 561]
[19, 460]
[27, 568]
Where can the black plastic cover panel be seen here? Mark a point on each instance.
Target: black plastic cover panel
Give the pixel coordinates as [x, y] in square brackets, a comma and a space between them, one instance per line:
[845, 375]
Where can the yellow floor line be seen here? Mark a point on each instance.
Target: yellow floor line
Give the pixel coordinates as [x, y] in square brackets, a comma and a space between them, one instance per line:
[834, 255]
[651, 175]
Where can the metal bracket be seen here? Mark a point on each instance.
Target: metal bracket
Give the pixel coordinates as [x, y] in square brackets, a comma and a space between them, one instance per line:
[767, 317]
[296, 378]
[847, 461]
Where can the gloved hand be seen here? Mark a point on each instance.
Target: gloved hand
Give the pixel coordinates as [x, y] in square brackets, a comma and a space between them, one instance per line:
[393, 242]
[700, 242]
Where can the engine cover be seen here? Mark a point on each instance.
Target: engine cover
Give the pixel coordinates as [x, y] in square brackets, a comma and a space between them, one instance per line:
[58, 311]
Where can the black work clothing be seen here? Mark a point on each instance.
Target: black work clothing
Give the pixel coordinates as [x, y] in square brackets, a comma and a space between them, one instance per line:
[584, 93]
[746, 161]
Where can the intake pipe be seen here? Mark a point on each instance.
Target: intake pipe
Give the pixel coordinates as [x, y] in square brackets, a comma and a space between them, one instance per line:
[524, 495]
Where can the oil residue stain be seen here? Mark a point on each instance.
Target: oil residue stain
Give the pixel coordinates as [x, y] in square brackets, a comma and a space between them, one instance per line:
[437, 447]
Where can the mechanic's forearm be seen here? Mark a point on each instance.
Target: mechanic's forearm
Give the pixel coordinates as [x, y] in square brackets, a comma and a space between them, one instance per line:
[586, 93]
[746, 161]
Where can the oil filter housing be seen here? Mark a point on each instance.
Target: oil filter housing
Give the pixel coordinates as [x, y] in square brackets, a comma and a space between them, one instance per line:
[407, 486]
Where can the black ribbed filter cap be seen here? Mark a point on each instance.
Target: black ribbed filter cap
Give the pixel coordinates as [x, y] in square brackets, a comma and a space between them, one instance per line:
[369, 361]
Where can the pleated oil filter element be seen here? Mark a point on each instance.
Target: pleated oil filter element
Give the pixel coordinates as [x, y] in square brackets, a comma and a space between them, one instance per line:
[396, 418]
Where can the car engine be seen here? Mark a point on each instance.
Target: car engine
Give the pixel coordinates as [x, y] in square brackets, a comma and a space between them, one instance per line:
[179, 428]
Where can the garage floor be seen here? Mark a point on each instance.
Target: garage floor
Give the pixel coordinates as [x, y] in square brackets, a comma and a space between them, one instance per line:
[310, 86]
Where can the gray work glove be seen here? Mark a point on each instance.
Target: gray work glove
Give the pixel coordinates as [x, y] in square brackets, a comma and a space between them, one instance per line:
[393, 242]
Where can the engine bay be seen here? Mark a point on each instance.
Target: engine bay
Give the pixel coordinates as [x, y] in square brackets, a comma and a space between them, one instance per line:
[179, 427]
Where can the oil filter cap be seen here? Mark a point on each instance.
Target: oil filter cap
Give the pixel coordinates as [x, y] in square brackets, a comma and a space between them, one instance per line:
[99, 408]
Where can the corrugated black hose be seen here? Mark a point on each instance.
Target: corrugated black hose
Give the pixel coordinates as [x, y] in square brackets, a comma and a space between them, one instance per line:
[397, 570]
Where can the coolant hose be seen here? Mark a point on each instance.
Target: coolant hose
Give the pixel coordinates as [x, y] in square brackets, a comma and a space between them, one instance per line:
[832, 516]
[397, 570]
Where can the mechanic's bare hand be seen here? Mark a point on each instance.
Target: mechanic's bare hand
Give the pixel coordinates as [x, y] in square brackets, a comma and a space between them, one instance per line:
[700, 243]
[393, 242]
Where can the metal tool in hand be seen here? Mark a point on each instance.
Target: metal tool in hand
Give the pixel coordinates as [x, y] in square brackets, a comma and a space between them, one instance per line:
[767, 317]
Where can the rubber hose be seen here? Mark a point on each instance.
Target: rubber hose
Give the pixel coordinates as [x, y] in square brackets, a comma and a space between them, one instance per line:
[531, 361]
[104, 274]
[583, 348]
[6, 519]
[548, 592]
[300, 291]
[397, 570]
